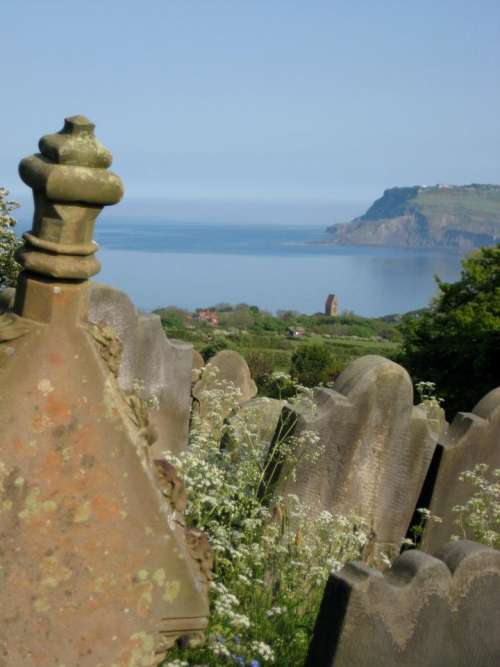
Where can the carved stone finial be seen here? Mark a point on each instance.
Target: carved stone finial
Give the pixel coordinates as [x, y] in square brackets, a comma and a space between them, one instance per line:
[70, 185]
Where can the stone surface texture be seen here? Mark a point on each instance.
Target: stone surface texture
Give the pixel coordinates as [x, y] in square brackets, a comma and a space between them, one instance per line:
[162, 367]
[376, 445]
[424, 612]
[473, 437]
[232, 368]
[96, 565]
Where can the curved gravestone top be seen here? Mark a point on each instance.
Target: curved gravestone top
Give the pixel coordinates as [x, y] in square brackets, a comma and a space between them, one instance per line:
[473, 438]
[376, 449]
[369, 371]
[159, 366]
[233, 368]
[425, 611]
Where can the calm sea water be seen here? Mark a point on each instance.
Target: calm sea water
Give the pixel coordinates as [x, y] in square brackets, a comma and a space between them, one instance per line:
[271, 266]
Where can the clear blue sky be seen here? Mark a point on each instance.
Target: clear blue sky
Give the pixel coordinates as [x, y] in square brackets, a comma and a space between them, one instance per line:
[273, 99]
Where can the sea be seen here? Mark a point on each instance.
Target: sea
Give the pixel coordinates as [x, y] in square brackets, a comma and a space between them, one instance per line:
[273, 266]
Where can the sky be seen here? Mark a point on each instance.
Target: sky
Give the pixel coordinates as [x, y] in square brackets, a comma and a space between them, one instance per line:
[292, 103]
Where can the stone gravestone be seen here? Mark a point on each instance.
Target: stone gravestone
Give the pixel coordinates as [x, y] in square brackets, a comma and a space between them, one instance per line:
[96, 566]
[376, 448]
[473, 437]
[231, 367]
[149, 360]
[423, 612]
[257, 421]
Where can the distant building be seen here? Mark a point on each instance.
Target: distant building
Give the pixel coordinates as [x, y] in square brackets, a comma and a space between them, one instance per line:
[331, 306]
[209, 316]
[295, 332]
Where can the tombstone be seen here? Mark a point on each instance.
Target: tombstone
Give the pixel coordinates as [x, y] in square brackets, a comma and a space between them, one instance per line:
[423, 612]
[331, 306]
[231, 367]
[159, 366]
[473, 437]
[260, 416]
[376, 450]
[97, 567]
[264, 414]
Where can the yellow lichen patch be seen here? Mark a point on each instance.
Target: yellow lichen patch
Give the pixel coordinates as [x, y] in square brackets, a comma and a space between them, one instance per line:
[41, 423]
[32, 504]
[171, 590]
[5, 506]
[49, 506]
[143, 653]
[159, 577]
[45, 387]
[67, 453]
[41, 605]
[53, 572]
[108, 581]
[145, 599]
[83, 513]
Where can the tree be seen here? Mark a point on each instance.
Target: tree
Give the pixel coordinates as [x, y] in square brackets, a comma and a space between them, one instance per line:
[313, 365]
[455, 342]
[216, 345]
[9, 243]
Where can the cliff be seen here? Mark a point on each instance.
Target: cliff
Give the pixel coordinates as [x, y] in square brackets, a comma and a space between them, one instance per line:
[461, 217]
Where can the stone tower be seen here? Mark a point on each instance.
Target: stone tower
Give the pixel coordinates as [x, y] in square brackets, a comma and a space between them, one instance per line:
[96, 567]
[331, 306]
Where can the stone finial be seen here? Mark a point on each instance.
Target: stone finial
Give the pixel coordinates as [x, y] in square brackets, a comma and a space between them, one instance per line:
[97, 566]
[70, 185]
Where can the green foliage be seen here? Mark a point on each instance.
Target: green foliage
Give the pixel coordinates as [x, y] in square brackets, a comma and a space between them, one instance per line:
[261, 365]
[455, 343]
[479, 517]
[9, 243]
[216, 345]
[271, 560]
[313, 365]
[280, 385]
[173, 317]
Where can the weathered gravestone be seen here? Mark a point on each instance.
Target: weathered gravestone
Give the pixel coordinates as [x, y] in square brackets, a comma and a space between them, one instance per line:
[376, 448]
[225, 367]
[159, 368]
[473, 438]
[423, 612]
[96, 566]
[257, 420]
[263, 415]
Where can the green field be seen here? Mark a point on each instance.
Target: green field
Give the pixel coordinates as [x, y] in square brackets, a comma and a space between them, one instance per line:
[266, 342]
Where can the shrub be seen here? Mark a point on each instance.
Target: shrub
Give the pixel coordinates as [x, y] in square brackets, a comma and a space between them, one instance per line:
[260, 364]
[313, 365]
[279, 385]
[455, 342]
[480, 515]
[216, 345]
[9, 243]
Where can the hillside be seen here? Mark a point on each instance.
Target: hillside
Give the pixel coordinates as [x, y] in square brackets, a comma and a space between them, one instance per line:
[460, 217]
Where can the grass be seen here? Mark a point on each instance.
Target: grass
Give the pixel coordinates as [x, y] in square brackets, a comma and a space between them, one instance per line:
[264, 340]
